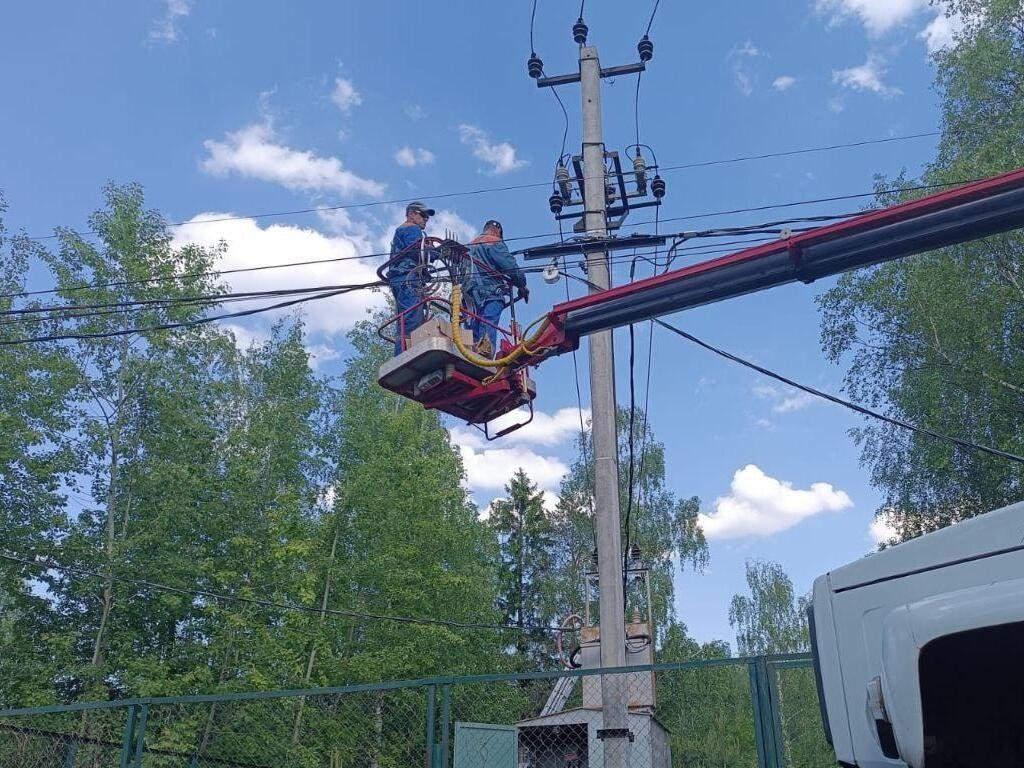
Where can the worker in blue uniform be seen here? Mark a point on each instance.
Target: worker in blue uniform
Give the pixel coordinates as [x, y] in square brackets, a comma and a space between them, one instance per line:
[405, 280]
[495, 273]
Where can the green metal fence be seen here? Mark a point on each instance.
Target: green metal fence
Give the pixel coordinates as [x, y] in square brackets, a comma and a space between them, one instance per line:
[750, 713]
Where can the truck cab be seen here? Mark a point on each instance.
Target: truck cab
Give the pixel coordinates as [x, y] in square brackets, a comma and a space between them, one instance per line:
[918, 649]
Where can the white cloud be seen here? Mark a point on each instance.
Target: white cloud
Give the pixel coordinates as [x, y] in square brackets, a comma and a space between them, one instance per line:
[489, 469]
[408, 157]
[414, 112]
[545, 430]
[759, 505]
[836, 104]
[246, 337]
[448, 222]
[866, 77]
[942, 31]
[250, 245]
[254, 152]
[740, 56]
[345, 95]
[166, 29]
[877, 16]
[747, 49]
[550, 501]
[322, 353]
[783, 401]
[783, 83]
[501, 156]
[881, 531]
[489, 466]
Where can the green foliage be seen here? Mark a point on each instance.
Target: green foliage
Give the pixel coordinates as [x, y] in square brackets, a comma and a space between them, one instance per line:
[662, 525]
[769, 620]
[937, 339]
[35, 457]
[528, 583]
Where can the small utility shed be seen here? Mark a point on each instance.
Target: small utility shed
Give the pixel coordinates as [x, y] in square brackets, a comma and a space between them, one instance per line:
[565, 739]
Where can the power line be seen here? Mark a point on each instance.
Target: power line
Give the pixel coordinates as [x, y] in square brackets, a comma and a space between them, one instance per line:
[172, 300]
[182, 324]
[839, 401]
[47, 564]
[825, 395]
[513, 187]
[691, 217]
[38, 314]
[533, 14]
[651, 20]
[565, 114]
[362, 257]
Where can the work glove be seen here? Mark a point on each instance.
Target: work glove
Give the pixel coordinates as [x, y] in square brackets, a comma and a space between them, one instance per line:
[524, 294]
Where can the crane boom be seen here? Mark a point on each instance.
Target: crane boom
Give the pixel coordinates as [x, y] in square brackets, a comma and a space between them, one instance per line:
[979, 209]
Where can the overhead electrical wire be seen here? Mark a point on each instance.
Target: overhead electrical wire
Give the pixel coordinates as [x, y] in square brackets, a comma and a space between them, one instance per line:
[691, 217]
[76, 312]
[515, 187]
[533, 14]
[650, 21]
[565, 114]
[170, 300]
[752, 229]
[825, 395]
[840, 401]
[181, 324]
[48, 564]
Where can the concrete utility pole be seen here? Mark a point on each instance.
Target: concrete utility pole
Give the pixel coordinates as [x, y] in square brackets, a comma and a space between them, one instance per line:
[615, 733]
[603, 408]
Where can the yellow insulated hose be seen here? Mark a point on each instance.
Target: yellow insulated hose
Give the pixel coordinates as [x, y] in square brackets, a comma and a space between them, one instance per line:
[521, 349]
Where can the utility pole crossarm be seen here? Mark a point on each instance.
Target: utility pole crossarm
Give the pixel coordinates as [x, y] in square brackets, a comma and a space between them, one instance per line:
[574, 77]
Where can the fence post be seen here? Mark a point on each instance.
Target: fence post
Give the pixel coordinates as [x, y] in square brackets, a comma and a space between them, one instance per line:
[128, 737]
[431, 725]
[764, 733]
[71, 754]
[134, 735]
[140, 736]
[446, 723]
[775, 708]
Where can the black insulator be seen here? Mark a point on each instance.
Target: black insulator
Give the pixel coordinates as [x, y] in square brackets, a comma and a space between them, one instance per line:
[645, 48]
[579, 32]
[535, 66]
[658, 187]
[555, 203]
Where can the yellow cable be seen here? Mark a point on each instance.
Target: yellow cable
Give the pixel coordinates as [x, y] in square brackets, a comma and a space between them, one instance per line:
[521, 349]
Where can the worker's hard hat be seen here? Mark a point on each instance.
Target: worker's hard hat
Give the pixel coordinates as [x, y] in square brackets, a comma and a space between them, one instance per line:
[493, 223]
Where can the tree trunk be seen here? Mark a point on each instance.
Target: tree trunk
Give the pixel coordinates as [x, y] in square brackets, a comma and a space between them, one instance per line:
[113, 470]
[378, 730]
[204, 742]
[312, 649]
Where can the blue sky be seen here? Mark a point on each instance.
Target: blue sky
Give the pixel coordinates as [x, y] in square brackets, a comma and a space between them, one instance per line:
[221, 108]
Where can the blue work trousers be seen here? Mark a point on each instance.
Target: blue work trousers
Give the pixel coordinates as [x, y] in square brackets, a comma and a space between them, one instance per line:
[489, 310]
[407, 289]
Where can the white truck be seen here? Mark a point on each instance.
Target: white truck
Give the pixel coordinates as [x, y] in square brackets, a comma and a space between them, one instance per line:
[919, 649]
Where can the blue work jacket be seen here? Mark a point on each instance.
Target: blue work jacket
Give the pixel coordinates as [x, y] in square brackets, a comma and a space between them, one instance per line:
[405, 236]
[492, 262]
